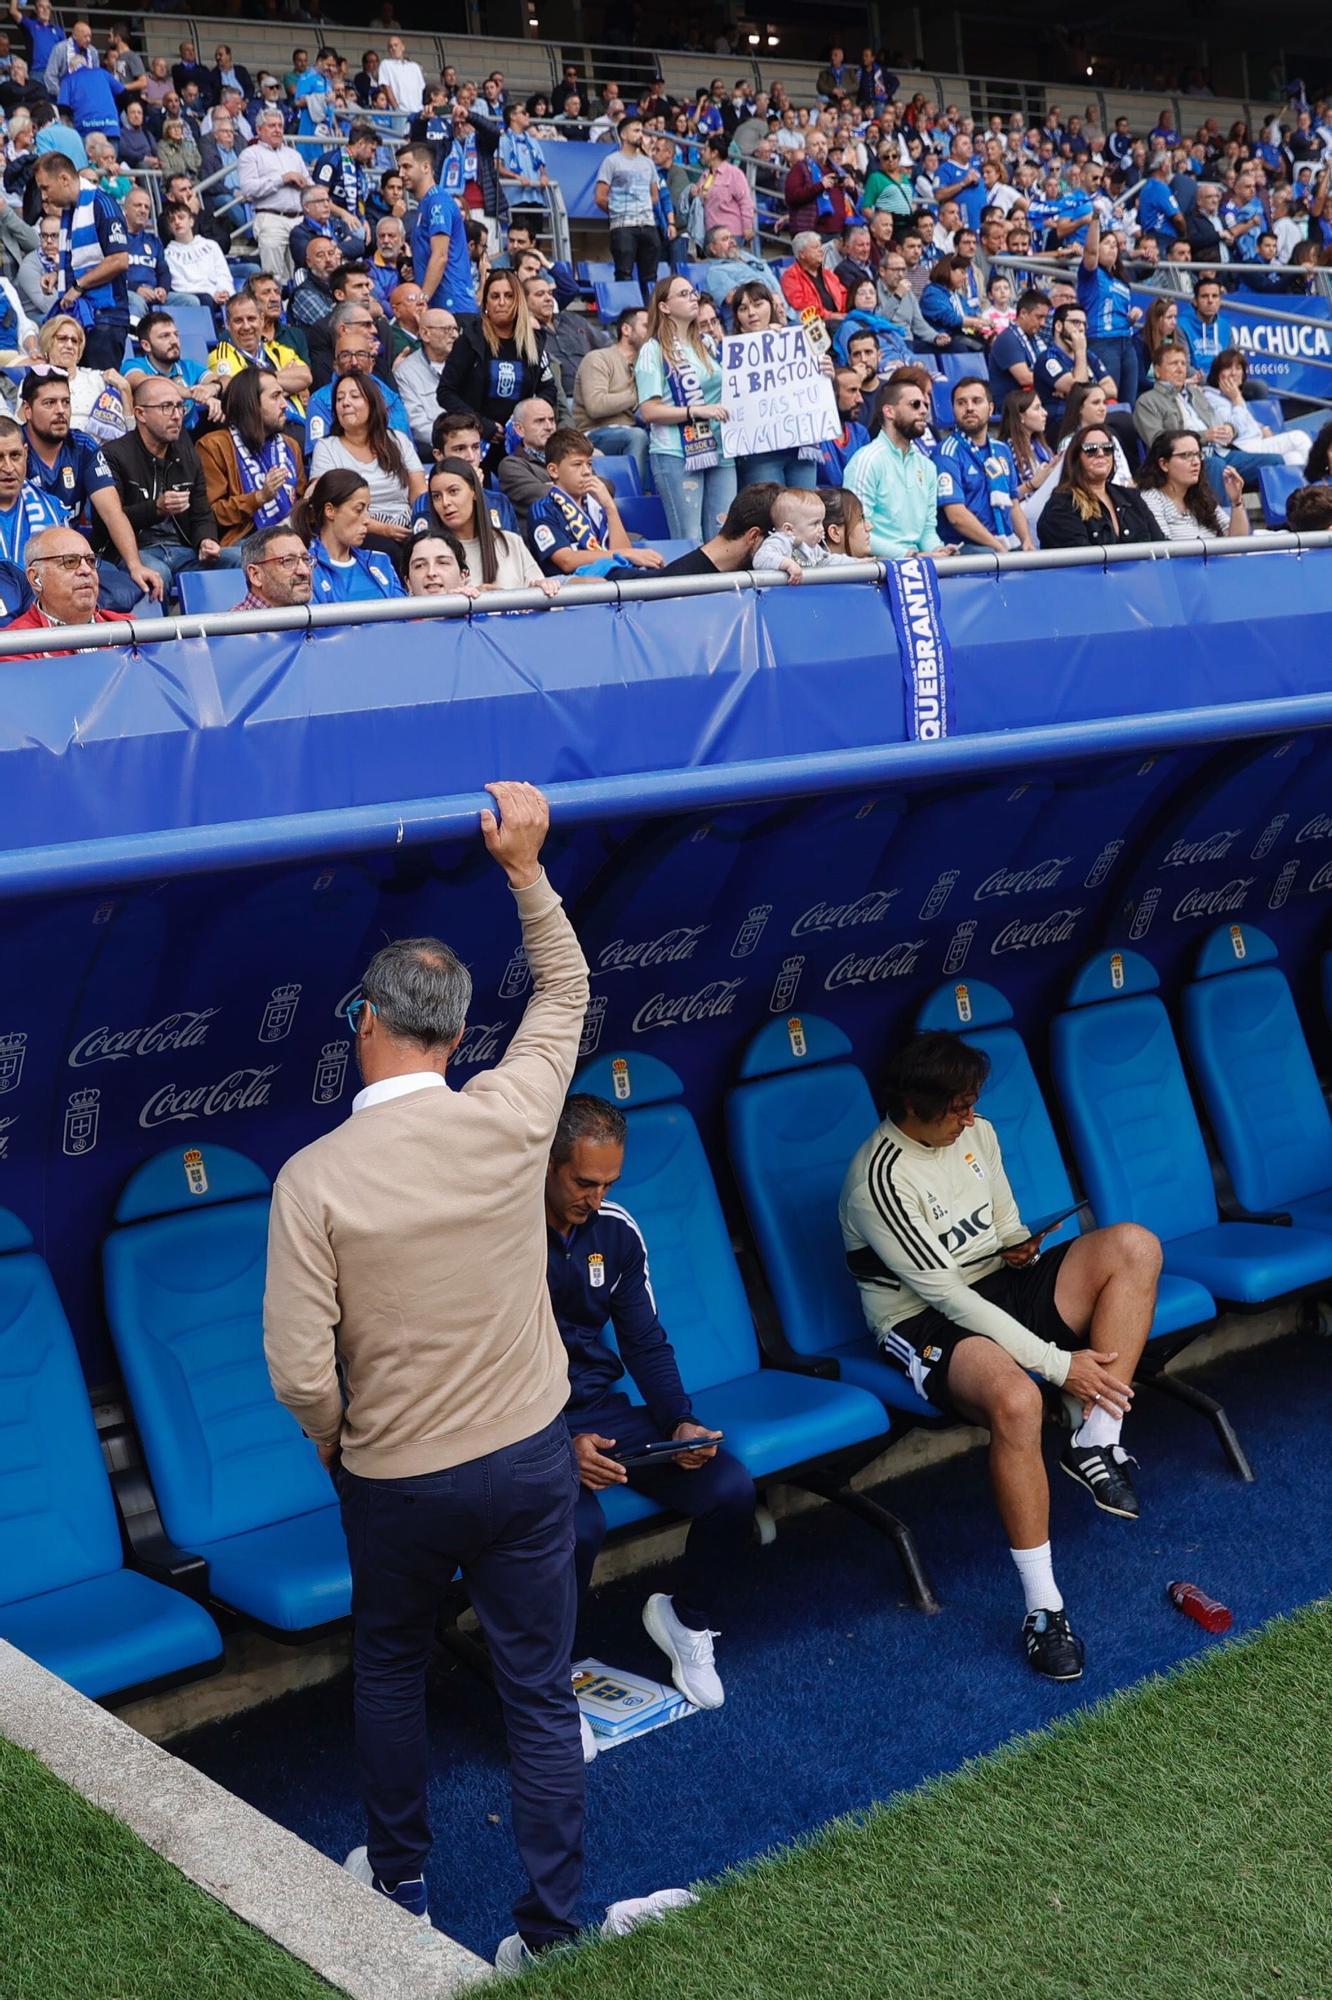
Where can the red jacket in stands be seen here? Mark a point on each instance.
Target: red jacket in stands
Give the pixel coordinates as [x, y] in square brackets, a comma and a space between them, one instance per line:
[34, 619]
[825, 294]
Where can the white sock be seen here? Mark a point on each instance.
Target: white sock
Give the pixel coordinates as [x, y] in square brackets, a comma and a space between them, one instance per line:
[1102, 1427]
[1037, 1574]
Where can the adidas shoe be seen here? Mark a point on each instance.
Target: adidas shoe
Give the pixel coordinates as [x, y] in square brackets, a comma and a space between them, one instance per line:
[627, 1915]
[513, 1957]
[1052, 1647]
[1103, 1470]
[690, 1653]
[409, 1895]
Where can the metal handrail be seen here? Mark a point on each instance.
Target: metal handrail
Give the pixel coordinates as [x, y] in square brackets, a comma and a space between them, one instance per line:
[317, 617]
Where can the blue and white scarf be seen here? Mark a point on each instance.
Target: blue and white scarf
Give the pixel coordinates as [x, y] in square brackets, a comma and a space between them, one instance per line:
[253, 471]
[686, 387]
[30, 513]
[355, 184]
[461, 165]
[80, 252]
[911, 585]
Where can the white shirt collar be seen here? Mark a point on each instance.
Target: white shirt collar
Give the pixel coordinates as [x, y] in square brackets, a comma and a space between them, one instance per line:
[395, 1086]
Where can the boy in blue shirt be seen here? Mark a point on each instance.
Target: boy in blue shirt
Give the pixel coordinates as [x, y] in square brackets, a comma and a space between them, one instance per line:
[576, 530]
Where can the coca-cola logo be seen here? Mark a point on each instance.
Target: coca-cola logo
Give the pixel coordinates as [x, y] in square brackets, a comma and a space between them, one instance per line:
[1188, 853]
[894, 963]
[1318, 828]
[680, 1010]
[1222, 902]
[1057, 928]
[869, 909]
[668, 949]
[1022, 881]
[186, 1030]
[243, 1090]
[1321, 879]
[481, 1042]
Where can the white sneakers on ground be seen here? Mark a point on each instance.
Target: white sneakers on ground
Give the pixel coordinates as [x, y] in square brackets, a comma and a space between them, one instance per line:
[693, 1668]
[513, 1956]
[589, 1736]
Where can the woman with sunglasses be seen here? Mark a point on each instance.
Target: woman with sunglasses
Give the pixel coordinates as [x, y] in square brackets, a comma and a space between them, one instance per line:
[1087, 510]
[679, 383]
[1179, 496]
[334, 518]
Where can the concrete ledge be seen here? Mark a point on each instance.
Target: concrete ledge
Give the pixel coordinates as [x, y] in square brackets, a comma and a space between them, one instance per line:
[358, 1941]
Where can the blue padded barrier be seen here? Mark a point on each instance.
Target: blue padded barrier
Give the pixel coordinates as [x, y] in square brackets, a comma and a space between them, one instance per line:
[1257, 1079]
[1138, 1142]
[1012, 1100]
[793, 1124]
[65, 1596]
[236, 1482]
[773, 1421]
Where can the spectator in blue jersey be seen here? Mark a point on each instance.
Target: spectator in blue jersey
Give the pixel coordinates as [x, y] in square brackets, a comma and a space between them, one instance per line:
[521, 162]
[334, 518]
[147, 280]
[440, 256]
[91, 282]
[1104, 295]
[70, 468]
[1159, 212]
[1202, 324]
[597, 1271]
[25, 507]
[835, 452]
[44, 33]
[92, 98]
[959, 179]
[978, 480]
[346, 172]
[575, 529]
[1242, 219]
[1023, 430]
[1015, 355]
[498, 361]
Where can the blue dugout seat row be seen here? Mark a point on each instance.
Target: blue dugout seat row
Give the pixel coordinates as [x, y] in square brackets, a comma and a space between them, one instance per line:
[236, 1481]
[807, 1431]
[66, 1597]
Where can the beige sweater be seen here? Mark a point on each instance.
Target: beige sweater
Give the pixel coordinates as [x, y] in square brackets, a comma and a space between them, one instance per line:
[408, 1247]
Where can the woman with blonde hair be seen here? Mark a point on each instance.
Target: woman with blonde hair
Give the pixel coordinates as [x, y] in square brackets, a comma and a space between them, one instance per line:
[679, 384]
[101, 401]
[497, 362]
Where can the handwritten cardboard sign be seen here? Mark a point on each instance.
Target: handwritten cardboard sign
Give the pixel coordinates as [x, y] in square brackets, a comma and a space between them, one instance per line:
[776, 394]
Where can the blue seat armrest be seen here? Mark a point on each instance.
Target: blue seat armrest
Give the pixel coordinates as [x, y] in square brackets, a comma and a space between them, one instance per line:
[1232, 1211]
[825, 1366]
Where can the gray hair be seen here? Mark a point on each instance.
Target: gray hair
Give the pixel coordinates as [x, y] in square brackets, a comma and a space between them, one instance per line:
[802, 237]
[711, 235]
[312, 193]
[420, 990]
[255, 547]
[585, 1117]
[1157, 161]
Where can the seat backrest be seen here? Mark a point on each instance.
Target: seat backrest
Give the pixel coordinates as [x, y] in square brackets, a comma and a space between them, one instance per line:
[59, 1522]
[794, 1124]
[1012, 1100]
[644, 514]
[1126, 1102]
[616, 295]
[962, 368]
[184, 1297]
[620, 474]
[1276, 483]
[209, 590]
[1254, 1071]
[668, 1188]
[198, 333]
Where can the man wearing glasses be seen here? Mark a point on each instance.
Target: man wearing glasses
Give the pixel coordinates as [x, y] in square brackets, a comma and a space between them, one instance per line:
[355, 345]
[62, 572]
[278, 568]
[161, 485]
[894, 481]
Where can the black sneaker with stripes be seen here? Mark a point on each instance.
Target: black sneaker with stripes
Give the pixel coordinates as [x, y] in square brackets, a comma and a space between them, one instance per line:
[1103, 1470]
[1053, 1648]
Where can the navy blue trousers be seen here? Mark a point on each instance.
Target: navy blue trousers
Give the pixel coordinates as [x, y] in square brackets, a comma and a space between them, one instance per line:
[718, 1498]
[507, 1520]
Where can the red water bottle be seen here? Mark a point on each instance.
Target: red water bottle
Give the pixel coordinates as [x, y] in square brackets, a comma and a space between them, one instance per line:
[1204, 1610]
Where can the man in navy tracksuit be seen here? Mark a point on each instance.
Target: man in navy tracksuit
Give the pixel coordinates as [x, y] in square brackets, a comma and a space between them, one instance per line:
[597, 1269]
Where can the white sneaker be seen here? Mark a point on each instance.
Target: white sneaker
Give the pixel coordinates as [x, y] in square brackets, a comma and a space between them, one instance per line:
[621, 1918]
[512, 1957]
[358, 1867]
[589, 1736]
[690, 1652]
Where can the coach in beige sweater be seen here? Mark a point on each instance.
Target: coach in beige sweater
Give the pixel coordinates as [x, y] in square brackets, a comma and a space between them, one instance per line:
[407, 1255]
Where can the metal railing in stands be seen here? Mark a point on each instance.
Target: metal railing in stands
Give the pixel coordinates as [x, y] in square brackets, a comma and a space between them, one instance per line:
[316, 617]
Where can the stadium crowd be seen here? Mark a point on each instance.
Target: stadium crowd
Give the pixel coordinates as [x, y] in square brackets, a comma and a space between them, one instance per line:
[344, 361]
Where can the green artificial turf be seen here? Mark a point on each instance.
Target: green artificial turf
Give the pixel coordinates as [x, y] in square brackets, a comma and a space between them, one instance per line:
[87, 1912]
[1174, 1843]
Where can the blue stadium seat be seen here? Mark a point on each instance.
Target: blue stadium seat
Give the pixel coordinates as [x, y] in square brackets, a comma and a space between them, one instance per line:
[963, 368]
[620, 474]
[596, 271]
[614, 294]
[210, 589]
[794, 1122]
[1266, 410]
[66, 1598]
[1014, 1105]
[643, 514]
[781, 1424]
[941, 405]
[197, 329]
[1257, 1080]
[236, 1482]
[1137, 1140]
[1276, 483]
